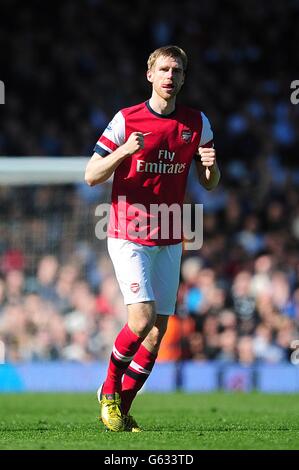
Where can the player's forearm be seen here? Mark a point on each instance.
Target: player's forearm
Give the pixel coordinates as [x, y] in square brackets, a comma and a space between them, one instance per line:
[213, 178]
[99, 170]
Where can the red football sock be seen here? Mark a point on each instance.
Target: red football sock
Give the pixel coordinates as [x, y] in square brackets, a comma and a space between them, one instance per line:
[135, 376]
[124, 349]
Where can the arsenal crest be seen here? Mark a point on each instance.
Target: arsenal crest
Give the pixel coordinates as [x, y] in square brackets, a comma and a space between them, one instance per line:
[135, 287]
[186, 135]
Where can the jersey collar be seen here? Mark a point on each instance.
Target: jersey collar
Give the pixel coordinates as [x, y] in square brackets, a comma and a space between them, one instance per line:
[164, 116]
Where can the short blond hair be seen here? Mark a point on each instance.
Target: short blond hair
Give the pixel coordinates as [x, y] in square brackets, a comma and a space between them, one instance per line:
[168, 51]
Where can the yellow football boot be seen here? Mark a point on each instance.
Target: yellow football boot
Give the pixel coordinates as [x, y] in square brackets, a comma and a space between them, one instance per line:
[111, 414]
[130, 424]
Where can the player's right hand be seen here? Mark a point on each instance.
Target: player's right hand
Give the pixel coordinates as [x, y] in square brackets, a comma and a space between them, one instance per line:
[134, 143]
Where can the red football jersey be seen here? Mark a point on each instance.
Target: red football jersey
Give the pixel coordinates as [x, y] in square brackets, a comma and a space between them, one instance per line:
[154, 175]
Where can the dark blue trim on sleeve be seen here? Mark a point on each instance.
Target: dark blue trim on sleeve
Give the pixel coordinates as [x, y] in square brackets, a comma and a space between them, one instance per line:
[98, 149]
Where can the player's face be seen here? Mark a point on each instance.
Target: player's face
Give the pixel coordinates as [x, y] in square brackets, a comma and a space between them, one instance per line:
[167, 76]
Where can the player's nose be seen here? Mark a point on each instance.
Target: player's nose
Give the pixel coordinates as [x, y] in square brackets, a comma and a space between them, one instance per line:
[169, 73]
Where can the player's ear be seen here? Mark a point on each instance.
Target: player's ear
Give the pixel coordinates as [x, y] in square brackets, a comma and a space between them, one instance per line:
[149, 75]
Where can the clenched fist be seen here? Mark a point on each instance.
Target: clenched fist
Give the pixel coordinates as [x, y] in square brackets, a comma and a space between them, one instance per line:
[134, 143]
[208, 158]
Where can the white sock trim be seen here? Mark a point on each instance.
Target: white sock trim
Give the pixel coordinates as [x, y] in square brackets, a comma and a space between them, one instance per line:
[120, 356]
[139, 368]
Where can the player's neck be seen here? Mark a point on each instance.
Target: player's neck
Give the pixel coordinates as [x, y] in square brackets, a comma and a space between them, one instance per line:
[161, 106]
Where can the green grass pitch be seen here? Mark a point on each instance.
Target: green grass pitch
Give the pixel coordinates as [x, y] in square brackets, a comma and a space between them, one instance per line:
[170, 421]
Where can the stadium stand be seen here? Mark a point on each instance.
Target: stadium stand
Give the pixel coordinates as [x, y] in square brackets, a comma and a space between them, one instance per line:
[239, 295]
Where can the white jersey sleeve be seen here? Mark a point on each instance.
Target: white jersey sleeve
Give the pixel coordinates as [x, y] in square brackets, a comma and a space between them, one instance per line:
[112, 137]
[206, 132]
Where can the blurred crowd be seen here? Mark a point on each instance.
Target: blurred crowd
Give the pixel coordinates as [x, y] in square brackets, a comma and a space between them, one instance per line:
[238, 298]
[69, 67]
[67, 71]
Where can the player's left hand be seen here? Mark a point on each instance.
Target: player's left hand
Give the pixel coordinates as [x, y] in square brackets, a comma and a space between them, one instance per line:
[208, 158]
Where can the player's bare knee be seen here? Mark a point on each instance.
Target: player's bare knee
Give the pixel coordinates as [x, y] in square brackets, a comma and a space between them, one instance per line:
[141, 326]
[141, 329]
[142, 317]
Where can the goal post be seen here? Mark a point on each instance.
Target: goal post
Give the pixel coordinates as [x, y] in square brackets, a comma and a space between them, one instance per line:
[47, 208]
[23, 171]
